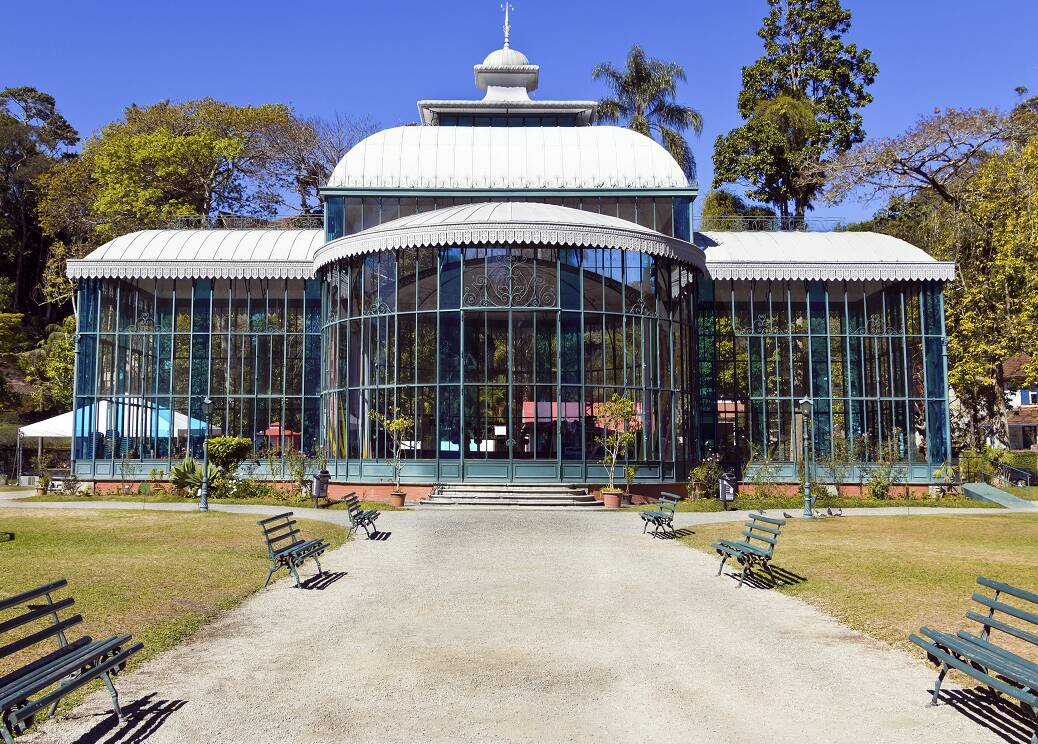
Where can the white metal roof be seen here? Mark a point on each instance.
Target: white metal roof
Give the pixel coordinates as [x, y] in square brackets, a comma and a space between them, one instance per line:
[818, 255]
[508, 158]
[215, 254]
[508, 222]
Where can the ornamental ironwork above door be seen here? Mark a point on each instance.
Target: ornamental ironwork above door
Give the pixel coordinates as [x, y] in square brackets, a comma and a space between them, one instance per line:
[510, 282]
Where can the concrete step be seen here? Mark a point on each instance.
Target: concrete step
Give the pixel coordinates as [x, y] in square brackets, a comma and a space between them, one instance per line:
[517, 503]
[512, 495]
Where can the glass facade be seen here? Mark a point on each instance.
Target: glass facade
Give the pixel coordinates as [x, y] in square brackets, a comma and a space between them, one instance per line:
[505, 355]
[346, 215]
[869, 355]
[150, 351]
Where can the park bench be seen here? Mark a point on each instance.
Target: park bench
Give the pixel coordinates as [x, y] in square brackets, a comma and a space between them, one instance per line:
[46, 677]
[663, 515]
[756, 549]
[360, 517]
[985, 659]
[285, 547]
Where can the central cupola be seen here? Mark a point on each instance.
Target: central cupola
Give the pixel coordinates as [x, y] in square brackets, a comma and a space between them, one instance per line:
[507, 79]
[506, 74]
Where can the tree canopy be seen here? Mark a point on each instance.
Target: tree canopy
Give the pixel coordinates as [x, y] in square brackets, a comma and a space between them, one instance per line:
[800, 101]
[644, 98]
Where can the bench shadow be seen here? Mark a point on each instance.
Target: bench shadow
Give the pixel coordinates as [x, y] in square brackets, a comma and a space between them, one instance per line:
[144, 716]
[379, 535]
[759, 579]
[1006, 720]
[668, 535]
[320, 582]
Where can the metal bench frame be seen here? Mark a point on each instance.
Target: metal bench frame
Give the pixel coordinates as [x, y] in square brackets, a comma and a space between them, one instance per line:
[663, 515]
[293, 553]
[760, 529]
[1000, 670]
[360, 517]
[43, 682]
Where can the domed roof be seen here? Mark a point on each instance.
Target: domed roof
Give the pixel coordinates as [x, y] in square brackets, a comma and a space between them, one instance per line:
[501, 223]
[506, 57]
[508, 158]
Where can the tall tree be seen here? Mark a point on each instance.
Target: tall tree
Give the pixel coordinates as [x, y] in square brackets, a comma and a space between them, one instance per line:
[723, 210]
[963, 185]
[33, 137]
[800, 102]
[643, 98]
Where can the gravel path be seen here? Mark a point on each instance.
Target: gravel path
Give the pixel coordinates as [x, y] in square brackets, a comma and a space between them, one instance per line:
[523, 626]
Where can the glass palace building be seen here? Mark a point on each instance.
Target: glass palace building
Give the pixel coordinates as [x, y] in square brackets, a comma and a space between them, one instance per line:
[499, 272]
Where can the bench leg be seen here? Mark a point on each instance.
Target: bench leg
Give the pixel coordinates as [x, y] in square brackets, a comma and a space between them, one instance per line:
[8, 736]
[270, 573]
[723, 559]
[292, 565]
[645, 525]
[937, 684]
[745, 570]
[319, 569]
[767, 567]
[115, 696]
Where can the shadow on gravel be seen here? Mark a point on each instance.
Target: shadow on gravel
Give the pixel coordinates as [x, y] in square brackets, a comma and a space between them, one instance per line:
[144, 716]
[1002, 718]
[761, 580]
[322, 581]
[376, 535]
[683, 532]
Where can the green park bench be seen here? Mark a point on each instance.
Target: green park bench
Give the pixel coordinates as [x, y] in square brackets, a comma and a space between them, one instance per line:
[360, 517]
[663, 515]
[984, 659]
[50, 676]
[285, 547]
[756, 549]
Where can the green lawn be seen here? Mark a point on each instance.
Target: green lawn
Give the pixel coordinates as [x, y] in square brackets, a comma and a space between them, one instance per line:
[749, 503]
[157, 575]
[887, 576]
[171, 498]
[1024, 492]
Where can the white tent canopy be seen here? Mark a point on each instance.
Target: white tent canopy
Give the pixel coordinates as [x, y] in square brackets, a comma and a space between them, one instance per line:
[57, 427]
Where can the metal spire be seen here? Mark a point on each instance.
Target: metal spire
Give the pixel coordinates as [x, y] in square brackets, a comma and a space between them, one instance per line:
[508, 26]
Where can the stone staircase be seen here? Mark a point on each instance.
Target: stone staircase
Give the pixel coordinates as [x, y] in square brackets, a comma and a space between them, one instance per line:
[511, 495]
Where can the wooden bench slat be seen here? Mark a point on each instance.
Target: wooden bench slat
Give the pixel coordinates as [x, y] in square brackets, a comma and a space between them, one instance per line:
[754, 536]
[288, 524]
[276, 516]
[74, 683]
[763, 528]
[1008, 609]
[769, 520]
[39, 591]
[1014, 591]
[38, 636]
[35, 614]
[1005, 627]
[993, 661]
[952, 661]
[43, 661]
[40, 681]
[999, 651]
[280, 538]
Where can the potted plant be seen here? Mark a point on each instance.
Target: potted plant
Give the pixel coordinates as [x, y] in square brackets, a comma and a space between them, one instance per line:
[42, 484]
[630, 471]
[395, 425]
[618, 421]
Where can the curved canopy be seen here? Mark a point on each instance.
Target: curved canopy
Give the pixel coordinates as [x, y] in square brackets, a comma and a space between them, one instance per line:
[854, 256]
[509, 223]
[507, 158]
[203, 254]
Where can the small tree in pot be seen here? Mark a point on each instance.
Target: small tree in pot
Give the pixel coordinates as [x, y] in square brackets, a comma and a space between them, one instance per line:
[396, 425]
[618, 424]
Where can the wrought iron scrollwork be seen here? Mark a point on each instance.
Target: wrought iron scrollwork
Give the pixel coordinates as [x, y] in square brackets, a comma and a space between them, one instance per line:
[510, 283]
[640, 308]
[378, 307]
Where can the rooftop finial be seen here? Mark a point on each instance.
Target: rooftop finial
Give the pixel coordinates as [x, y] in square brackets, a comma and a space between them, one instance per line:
[508, 26]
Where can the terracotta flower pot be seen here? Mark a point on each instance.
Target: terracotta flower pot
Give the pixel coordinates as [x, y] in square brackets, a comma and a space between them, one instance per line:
[611, 499]
[396, 498]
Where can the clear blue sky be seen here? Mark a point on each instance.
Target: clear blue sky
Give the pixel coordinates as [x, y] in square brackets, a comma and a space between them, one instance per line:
[378, 58]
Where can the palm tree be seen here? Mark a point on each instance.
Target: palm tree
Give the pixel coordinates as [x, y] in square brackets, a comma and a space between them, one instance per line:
[643, 97]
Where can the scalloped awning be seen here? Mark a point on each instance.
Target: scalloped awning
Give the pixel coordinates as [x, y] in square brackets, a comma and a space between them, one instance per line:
[820, 256]
[523, 223]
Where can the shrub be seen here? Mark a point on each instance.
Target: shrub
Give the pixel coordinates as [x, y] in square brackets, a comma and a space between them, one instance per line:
[227, 453]
[708, 472]
[187, 476]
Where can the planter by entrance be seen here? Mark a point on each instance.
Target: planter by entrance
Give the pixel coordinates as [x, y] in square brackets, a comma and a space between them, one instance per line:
[611, 499]
[396, 498]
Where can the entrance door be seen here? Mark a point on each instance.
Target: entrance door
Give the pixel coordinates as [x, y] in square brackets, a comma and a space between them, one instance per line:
[510, 411]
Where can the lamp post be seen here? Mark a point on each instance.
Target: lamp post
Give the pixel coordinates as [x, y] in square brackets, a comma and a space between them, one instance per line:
[805, 411]
[203, 492]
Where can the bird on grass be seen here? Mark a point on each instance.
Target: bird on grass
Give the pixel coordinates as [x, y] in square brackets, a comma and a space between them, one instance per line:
[787, 516]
